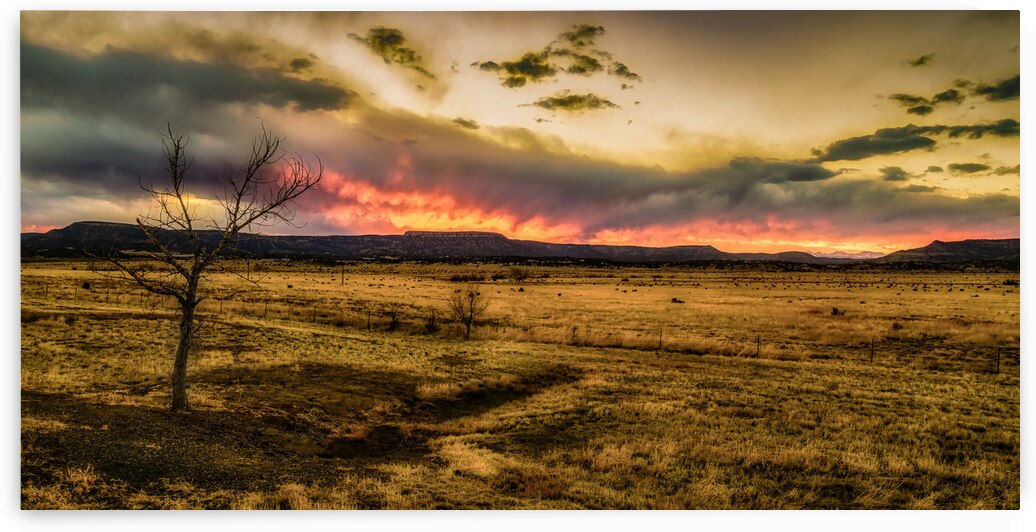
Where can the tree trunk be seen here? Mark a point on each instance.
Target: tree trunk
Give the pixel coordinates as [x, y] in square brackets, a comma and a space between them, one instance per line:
[183, 349]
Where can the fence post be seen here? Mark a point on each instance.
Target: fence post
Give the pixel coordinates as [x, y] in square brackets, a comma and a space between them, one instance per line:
[757, 346]
[76, 297]
[314, 314]
[368, 320]
[660, 330]
[106, 292]
[220, 307]
[266, 305]
[998, 360]
[872, 350]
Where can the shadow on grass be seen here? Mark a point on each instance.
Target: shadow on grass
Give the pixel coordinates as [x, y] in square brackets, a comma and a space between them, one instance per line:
[278, 426]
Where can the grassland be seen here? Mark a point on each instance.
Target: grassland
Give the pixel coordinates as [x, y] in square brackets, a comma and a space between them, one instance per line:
[322, 386]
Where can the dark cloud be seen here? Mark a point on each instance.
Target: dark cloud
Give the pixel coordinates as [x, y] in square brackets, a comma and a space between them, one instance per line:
[91, 158]
[948, 96]
[622, 71]
[1008, 89]
[1004, 170]
[582, 35]
[1001, 128]
[921, 61]
[968, 168]
[891, 140]
[120, 79]
[894, 173]
[573, 52]
[391, 46]
[466, 123]
[921, 110]
[908, 100]
[884, 141]
[934, 170]
[580, 64]
[532, 66]
[565, 101]
[301, 64]
[771, 171]
[919, 105]
[920, 188]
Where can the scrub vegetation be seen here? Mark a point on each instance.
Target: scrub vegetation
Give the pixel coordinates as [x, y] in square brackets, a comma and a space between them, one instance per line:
[319, 385]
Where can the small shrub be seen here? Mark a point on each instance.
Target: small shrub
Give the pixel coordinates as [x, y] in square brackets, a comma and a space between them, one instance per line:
[393, 321]
[70, 319]
[432, 325]
[1011, 282]
[86, 285]
[519, 274]
[897, 326]
[676, 300]
[835, 311]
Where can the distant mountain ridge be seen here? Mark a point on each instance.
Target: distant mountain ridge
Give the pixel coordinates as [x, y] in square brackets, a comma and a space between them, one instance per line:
[1008, 249]
[860, 255]
[100, 237]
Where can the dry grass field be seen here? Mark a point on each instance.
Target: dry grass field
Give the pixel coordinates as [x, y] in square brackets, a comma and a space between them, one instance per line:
[581, 387]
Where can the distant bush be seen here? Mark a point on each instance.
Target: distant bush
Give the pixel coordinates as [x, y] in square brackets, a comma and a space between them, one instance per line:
[519, 274]
[86, 285]
[897, 326]
[835, 311]
[466, 278]
[677, 300]
[1011, 282]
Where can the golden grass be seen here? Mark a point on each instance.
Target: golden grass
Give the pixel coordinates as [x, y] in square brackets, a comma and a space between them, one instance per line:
[760, 396]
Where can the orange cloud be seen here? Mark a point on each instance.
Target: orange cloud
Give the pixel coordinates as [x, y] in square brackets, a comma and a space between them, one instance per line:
[361, 207]
[364, 207]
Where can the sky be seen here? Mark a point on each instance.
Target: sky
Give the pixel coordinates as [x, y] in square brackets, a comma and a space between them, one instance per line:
[748, 131]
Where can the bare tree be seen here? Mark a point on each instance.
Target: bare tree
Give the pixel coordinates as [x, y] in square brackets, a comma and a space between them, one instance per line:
[467, 305]
[187, 244]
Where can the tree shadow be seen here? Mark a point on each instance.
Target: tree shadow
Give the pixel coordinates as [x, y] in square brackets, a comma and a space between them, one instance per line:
[278, 425]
